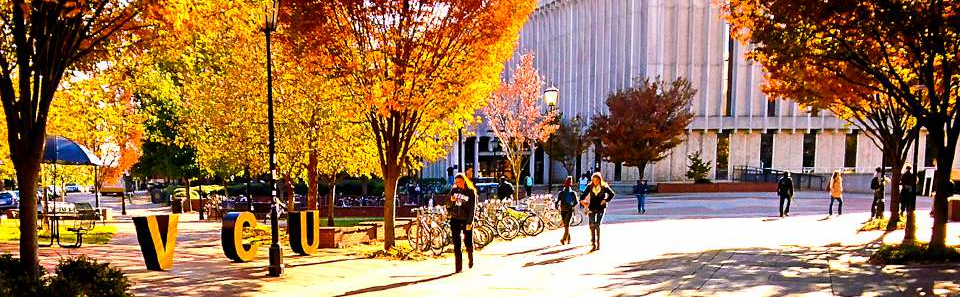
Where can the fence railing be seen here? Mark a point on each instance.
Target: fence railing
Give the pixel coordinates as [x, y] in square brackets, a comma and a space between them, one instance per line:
[800, 180]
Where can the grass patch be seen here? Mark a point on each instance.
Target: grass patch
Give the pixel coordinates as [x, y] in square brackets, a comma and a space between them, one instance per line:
[350, 221]
[913, 253]
[101, 233]
[880, 224]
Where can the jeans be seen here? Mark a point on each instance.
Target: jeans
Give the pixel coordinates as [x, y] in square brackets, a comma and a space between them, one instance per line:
[788, 201]
[459, 227]
[839, 206]
[595, 218]
[878, 205]
[642, 203]
[528, 189]
[565, 217]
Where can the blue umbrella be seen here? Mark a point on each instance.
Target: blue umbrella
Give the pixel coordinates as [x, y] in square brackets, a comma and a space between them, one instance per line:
[60, 150]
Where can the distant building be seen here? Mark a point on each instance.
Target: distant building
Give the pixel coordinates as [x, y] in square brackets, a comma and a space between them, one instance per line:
[590, 48]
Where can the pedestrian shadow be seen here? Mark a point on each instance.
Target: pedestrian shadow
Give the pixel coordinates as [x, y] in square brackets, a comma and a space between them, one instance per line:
[561, 250]
[771, 219]
[553, 261]
[321, 262]
[529, 251]
[393, 286]
[826, 218]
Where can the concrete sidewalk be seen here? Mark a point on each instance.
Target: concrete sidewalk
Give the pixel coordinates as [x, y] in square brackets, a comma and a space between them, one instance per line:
[729, 254]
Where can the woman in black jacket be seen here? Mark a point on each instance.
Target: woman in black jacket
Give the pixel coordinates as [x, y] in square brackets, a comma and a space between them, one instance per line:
[595, 198]
[460, 208]
[566, 201]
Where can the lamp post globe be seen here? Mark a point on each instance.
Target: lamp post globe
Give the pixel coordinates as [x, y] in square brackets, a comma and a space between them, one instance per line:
[550, 96]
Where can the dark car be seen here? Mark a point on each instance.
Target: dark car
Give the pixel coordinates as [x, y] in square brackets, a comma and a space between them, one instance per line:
[9, 200]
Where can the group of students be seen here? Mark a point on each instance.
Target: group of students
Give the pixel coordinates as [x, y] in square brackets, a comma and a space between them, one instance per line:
[462, 205]
[908, 192]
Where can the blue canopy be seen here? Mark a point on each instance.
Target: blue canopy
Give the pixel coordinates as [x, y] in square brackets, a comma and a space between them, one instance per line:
[60, 150]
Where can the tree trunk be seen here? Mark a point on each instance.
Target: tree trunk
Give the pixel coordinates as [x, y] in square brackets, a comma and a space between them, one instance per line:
[313, 183]
[288, 193]
[642, 168]
[27, 172]
[188, 203]
[944, 187]
[332, 200]
[391, 174]
[895, 178]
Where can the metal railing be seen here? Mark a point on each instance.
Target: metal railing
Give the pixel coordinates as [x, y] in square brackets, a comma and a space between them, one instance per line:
[806, 181]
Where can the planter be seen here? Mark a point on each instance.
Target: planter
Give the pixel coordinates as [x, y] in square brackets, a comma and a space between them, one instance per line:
[717, 187]
[340, 237]
[400, 228]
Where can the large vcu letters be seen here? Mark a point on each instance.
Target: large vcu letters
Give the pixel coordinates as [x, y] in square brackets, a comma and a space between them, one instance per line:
[232, 236]
[157, 235]
[304, 231]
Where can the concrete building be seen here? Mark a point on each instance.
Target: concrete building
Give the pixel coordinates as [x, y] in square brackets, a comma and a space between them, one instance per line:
[590, 48]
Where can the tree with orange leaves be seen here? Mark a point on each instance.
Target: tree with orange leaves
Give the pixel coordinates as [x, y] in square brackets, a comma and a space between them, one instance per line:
[415, 71]
[866, 54]
[516, 116]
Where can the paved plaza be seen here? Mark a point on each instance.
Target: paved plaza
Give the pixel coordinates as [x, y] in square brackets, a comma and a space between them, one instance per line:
[686, 245]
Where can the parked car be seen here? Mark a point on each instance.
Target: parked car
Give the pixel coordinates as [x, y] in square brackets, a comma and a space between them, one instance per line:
[486, 185]
[9, 200]
[72, 187]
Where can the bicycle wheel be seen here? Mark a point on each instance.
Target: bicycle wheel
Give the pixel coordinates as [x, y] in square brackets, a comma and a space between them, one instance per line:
[552, 220]
[437, 244]
[508, 227]
[480, 236]
[532, 225]
[577, 218]
[491, 233]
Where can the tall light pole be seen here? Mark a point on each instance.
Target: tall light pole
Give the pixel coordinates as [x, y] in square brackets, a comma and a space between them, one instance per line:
[550, 96]
[276, 255]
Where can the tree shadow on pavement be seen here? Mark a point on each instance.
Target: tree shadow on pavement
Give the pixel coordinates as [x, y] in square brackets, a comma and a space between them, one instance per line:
[787, 270]
[392, 286]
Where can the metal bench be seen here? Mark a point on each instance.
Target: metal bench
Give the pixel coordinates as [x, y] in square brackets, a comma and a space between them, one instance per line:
[85, 219]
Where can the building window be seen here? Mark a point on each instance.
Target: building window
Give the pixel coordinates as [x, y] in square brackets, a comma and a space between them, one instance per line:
[766, 150]
[850, 151]
[809, 149]
[728, 55]
[772, 108]
[723, 155]
[929, 154]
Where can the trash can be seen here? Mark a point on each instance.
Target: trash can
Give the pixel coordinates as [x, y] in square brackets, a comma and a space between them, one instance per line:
[177, 205]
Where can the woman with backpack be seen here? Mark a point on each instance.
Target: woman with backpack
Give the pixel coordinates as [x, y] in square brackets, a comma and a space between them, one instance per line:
[595, 198]
[566, 201]
[835, 189]
[461, 208]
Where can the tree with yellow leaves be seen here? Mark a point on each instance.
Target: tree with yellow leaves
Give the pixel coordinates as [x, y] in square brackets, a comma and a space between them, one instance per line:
[413, 71]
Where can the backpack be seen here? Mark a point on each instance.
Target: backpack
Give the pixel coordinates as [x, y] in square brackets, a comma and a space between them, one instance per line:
[875, 183]
[568, 198]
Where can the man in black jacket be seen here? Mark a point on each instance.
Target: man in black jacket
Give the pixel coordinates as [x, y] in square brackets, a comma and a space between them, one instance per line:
[785, 191]
[504, 189]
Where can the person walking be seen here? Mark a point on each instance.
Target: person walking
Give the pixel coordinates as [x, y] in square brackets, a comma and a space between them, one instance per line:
[583, 182]
[908, 189]
[640, 190]
[835, 189]
[785, 191]
[566, 201]
[877, 184]
[528, 185]
[461, 208]
[504, 189]
[595, 198]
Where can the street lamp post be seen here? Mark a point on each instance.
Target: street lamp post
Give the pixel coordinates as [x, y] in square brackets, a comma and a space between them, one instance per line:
[550, 96]
[276, 255]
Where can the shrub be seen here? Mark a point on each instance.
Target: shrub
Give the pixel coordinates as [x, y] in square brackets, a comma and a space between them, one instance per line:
[698, 168]
[913, 253]
[880, 224]
[74, 277]
[83, 276]
[14, 280]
